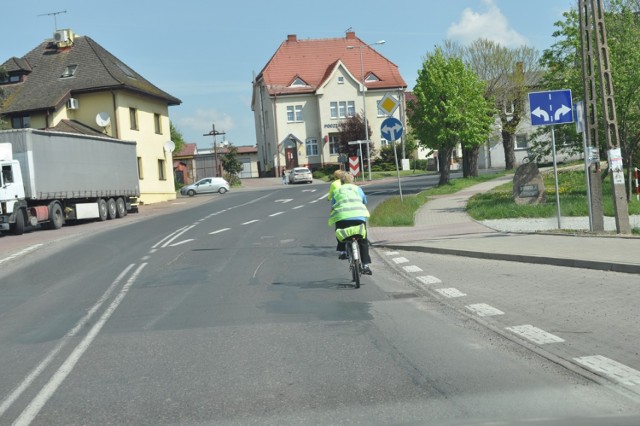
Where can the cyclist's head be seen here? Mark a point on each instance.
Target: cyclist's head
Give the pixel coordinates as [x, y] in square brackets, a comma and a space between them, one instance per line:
[346, 178]
[338, 174]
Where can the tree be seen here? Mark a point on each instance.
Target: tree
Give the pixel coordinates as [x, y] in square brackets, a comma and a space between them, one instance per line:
[231, 165]
[449, 109]
[176, 137]
[564, 63]
[352, 129]
[509, 73]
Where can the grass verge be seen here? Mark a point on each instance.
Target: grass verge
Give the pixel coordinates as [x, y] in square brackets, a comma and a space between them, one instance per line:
[393, 212]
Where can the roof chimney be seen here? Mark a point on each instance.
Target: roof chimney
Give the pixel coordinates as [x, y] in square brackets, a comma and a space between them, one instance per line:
[292, 38]
[351, 35]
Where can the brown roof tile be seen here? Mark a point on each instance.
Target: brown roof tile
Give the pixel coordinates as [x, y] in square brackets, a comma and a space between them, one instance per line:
[313, 60]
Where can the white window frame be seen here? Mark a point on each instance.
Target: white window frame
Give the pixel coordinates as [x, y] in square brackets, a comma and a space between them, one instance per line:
[519, 137]
[334, 145]
[294, 113]
[311, 147]
[333, 106]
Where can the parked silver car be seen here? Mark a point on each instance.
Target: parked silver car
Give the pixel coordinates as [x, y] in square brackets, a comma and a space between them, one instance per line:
[210, 184]
[300, 174]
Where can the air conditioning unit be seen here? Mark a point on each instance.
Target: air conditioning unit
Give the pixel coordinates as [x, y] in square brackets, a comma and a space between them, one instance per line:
[72, 103]
[61, 36]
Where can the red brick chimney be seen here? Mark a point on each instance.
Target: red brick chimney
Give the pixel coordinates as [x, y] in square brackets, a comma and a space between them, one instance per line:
[292, 38]
[351, 35]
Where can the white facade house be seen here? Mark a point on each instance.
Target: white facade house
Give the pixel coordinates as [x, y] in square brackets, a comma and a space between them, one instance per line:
[307, 88]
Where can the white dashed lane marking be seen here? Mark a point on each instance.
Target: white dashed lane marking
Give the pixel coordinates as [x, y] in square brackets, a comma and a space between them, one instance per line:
[251, 221]
[275, 214]
[412, 268]
[535, 334]
[450, 292]
[219, 230]
[429, 279]
[399, 260]
[610, 368]
[484, 310]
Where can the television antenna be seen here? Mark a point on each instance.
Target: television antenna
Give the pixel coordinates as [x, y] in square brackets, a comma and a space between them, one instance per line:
[55, 19]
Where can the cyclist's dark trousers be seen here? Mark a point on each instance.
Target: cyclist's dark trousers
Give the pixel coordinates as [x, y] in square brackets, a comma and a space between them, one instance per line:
[363, 242]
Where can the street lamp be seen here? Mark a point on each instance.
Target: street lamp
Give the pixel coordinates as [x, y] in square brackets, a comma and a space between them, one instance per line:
[214, 133]
[364, 100]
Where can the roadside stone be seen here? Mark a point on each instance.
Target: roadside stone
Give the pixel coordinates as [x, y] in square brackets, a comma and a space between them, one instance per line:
[528, 186]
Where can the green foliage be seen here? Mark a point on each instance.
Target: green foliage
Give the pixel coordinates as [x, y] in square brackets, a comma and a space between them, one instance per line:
[564, 62]
[230, 163]
[450, 107]
[499, 203]
[352, 129]
[176, 137]
[393, 212]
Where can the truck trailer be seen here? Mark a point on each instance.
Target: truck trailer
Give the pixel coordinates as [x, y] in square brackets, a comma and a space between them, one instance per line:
[51, 178]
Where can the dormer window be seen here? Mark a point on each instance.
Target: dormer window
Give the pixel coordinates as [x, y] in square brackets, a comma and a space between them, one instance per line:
[371, 77]
[10, 78]
[298, 82]
[69, 71]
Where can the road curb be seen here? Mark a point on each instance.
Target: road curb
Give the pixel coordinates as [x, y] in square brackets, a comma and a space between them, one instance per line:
[541, 260]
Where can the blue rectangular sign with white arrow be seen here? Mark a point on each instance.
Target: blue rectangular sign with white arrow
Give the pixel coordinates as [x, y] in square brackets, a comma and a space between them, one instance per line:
[550, 108]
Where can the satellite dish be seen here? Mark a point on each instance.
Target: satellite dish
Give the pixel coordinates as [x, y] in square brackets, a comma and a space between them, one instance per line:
[169, 146]
[103, 119]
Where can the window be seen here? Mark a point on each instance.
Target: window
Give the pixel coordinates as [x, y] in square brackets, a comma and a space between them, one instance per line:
[69, 71]
[158, 123]
[21, 122]
[10, 78]
[140, 174]
[371, 77]
[334, 145]
[161, 174]
[342, 109]
[340, 80]
[311, 146]
[521, 142]
[381, 112]
[133, 118]
[384, 142]
[7, 175]
[298, 82]
[333, 106]
[294, 113]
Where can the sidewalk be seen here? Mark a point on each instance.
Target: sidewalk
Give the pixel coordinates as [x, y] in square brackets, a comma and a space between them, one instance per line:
[443, 227]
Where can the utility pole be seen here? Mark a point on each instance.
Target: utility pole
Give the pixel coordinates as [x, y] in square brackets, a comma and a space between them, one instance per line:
[215, 133]
[593, 30]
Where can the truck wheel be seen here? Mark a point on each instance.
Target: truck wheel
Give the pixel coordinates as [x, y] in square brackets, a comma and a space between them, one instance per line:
[102, 209]
[121, 208]
[111, 208]
[18, 226]
[56, 218]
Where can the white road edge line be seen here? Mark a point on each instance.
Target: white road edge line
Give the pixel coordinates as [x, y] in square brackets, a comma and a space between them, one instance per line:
[11, 398]
[21, 252]
[179, 234]
[181, 242]
[34, 407]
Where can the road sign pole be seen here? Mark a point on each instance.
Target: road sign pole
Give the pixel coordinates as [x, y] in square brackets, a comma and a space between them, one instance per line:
[555, 173]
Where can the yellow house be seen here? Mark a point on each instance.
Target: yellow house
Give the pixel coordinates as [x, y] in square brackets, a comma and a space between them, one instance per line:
[72, 84]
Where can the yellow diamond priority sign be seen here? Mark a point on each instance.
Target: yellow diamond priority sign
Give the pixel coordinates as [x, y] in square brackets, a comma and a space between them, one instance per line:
[388, 104]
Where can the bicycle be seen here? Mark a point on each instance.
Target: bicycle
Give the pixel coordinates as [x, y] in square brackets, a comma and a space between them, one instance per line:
[351, 236]
[353, 256]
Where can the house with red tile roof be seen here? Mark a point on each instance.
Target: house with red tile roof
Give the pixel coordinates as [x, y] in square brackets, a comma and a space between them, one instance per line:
[307, 87]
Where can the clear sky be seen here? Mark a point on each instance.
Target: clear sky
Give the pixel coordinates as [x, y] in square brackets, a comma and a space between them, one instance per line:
[205, 52]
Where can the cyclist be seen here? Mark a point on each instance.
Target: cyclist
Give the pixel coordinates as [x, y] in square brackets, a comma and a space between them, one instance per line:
[348, 208]
[336, 183]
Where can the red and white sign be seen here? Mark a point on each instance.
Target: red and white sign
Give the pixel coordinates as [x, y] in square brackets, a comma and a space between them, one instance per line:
[354, 166]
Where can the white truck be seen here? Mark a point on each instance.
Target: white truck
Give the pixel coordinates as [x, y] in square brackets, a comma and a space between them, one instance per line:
[50, 178]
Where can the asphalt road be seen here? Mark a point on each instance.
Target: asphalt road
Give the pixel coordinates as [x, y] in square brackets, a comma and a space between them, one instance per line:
[237, 311]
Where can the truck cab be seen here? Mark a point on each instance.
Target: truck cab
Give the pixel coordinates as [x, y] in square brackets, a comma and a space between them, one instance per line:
[11, 190]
